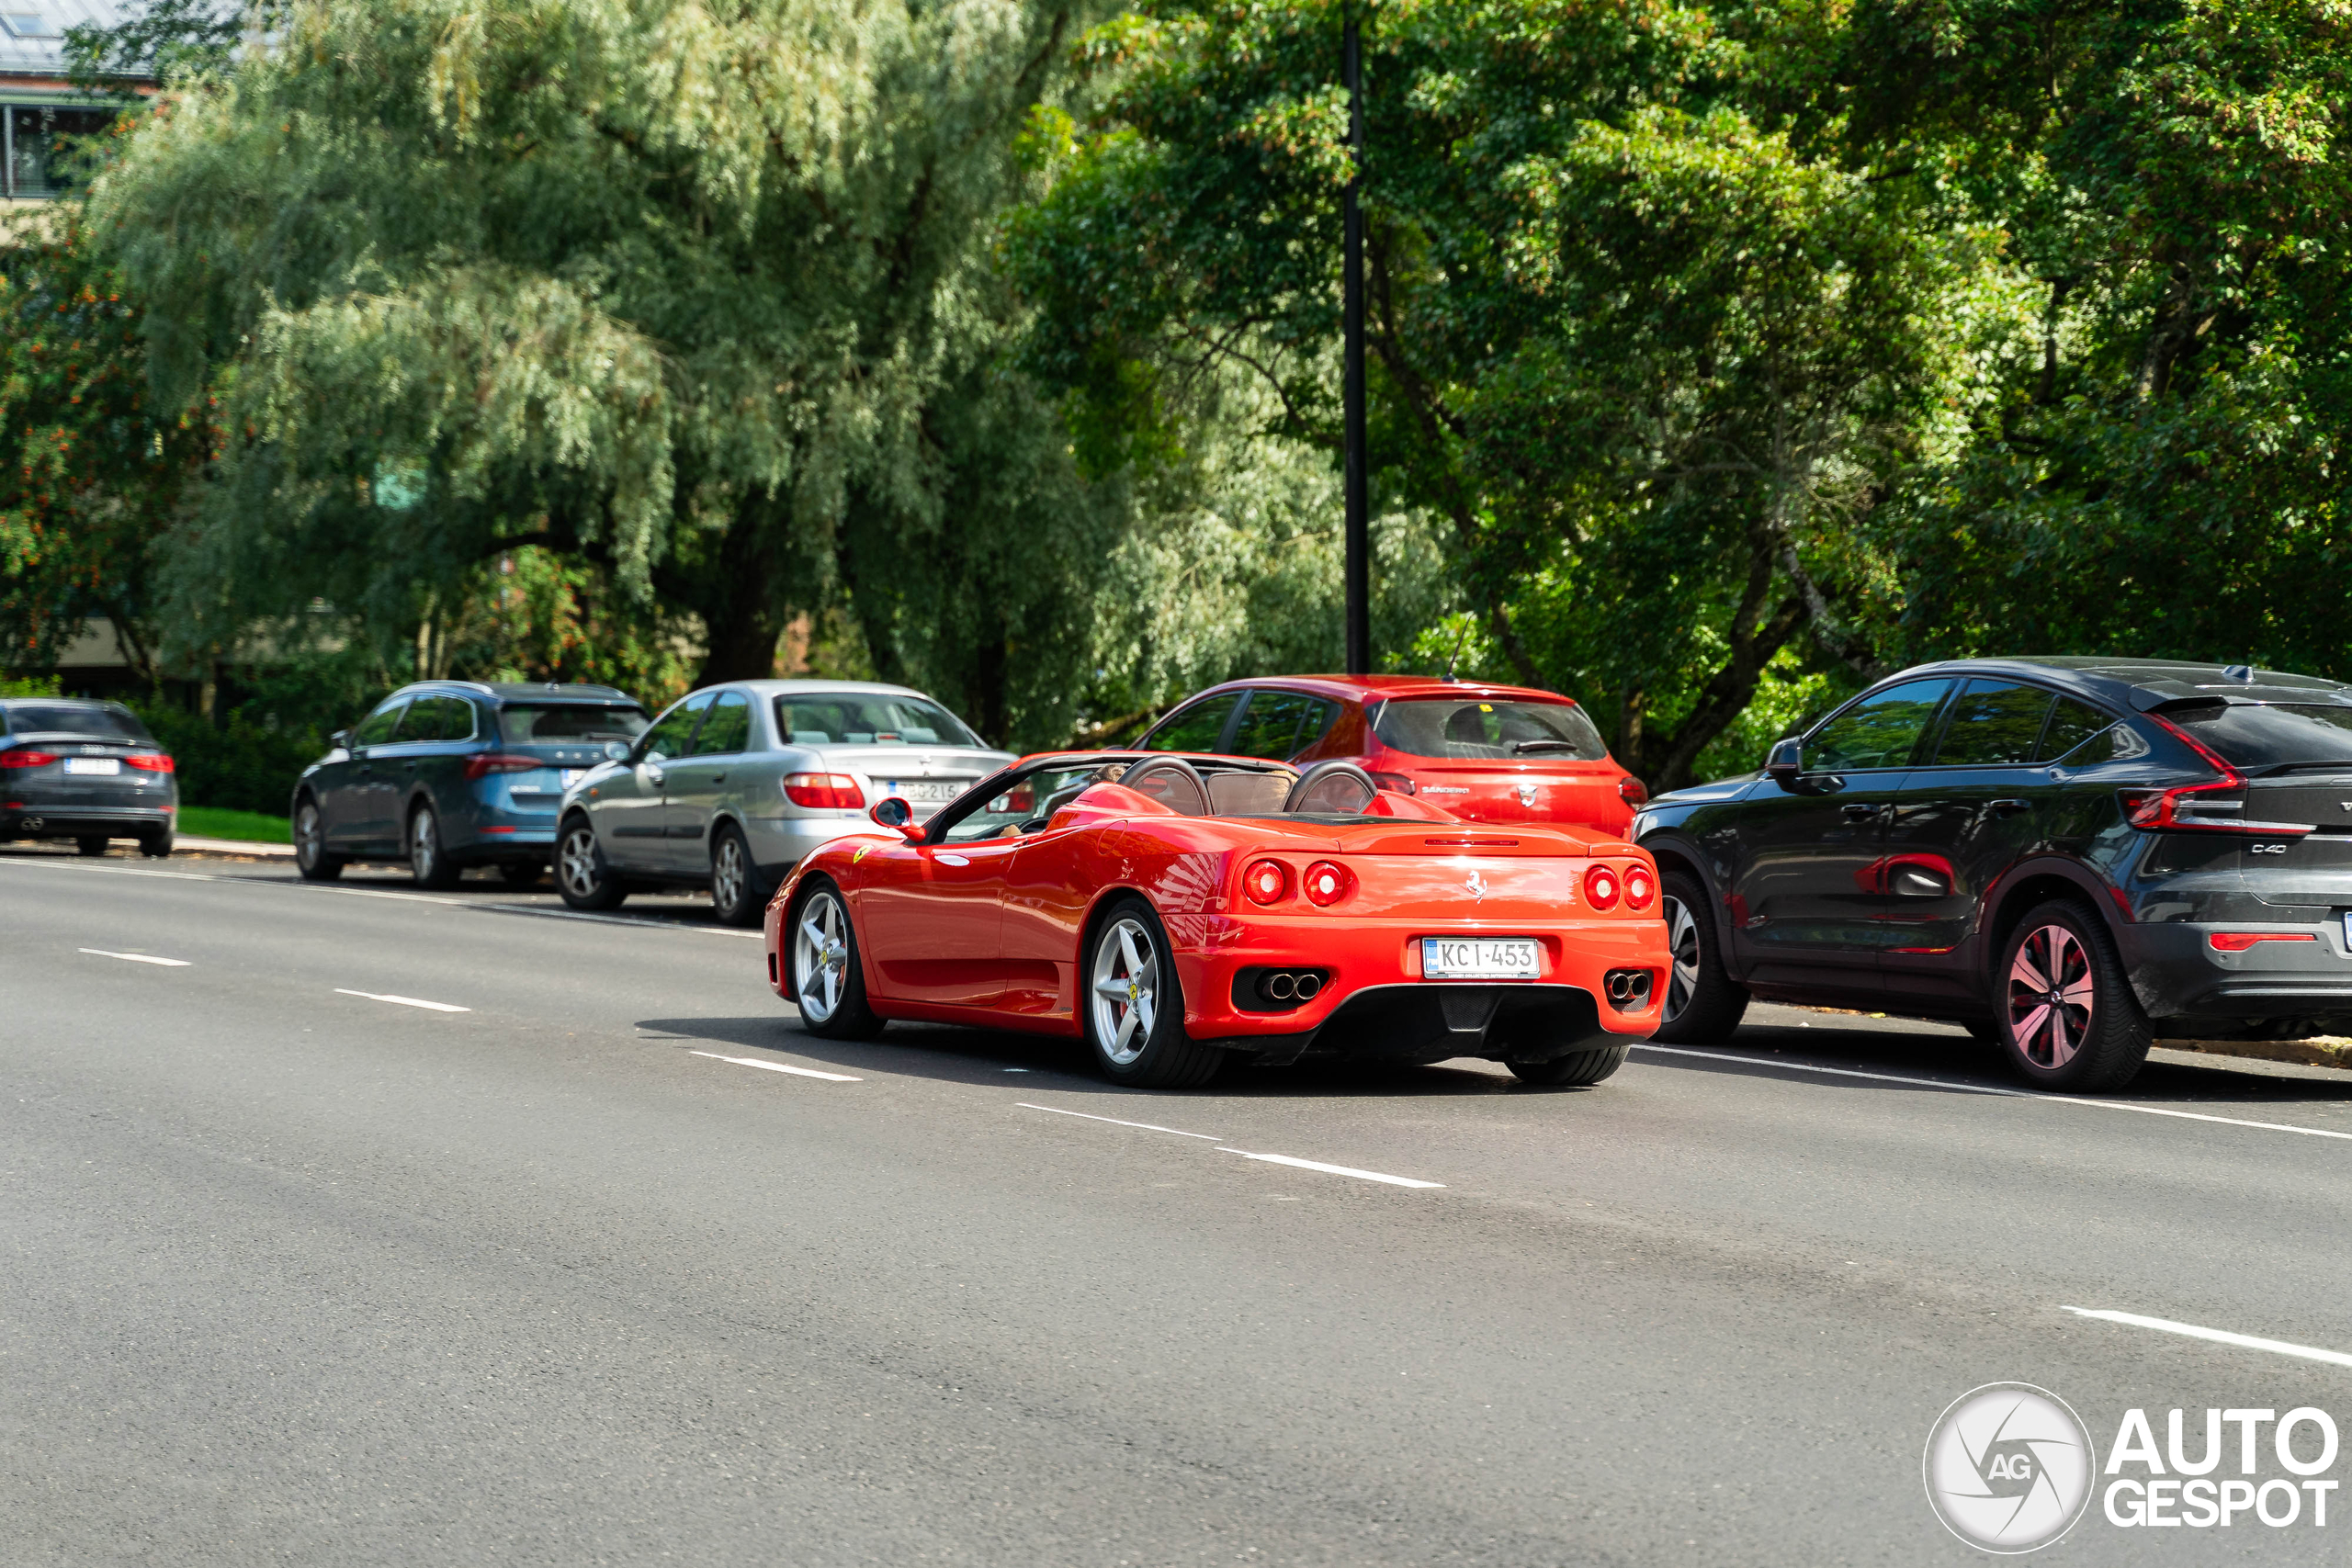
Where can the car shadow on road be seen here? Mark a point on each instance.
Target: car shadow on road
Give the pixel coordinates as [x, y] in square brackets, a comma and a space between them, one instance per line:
[952, 1054]
[1941, 1060]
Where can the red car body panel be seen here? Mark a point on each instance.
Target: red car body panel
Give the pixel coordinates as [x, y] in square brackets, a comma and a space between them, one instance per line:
[992, 932]
[1599, 794]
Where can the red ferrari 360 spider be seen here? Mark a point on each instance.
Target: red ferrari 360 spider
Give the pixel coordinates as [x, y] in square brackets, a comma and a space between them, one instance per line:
[1179, 911]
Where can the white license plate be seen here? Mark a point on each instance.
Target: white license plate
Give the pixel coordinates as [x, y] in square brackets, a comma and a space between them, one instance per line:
[934, 792]
[572, 776]
[1478, 957]
[101, 767]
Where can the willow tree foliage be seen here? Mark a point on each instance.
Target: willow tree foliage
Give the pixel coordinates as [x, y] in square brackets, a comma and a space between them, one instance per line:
[699, 296]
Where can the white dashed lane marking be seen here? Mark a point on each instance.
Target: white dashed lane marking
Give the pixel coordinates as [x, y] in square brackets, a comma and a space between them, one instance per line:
[138, 958]
[403, 1001]
[1115, 1122]
[1335, 1169]
[778, 1067]
[2218, 1335]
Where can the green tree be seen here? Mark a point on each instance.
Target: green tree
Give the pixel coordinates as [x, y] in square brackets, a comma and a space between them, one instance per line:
[698, 298]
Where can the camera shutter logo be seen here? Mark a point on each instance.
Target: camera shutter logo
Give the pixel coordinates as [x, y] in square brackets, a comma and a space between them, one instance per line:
[2009, 1468]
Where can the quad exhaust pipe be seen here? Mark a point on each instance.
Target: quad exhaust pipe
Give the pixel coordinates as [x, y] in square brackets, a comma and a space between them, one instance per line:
[1629, 989]
[1290, 986]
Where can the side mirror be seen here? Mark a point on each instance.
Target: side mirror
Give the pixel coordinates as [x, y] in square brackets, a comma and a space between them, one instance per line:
[616, 751]
[895, 814]
[1785, 765]
[340, 740]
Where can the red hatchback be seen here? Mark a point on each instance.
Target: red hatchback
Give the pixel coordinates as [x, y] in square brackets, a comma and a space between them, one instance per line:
[1485, 753]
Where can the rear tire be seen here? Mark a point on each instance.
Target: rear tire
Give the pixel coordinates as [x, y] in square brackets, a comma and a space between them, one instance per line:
[156, 846]
[310, 857]
[1702, 1001]
[2068, 1021]
[581, 874]
[734, 880]
[1576, 1068]
[428, 859]
[1133, 1008]
[826, 972]
[89, 846]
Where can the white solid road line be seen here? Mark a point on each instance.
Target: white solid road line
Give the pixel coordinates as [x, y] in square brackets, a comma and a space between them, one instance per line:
[139, 958]
[1335, 1169]
[1987, 1089]
[403, 1001]
[778, 1067]
[612, 919]
[2218, 1335]
[1113, 1120]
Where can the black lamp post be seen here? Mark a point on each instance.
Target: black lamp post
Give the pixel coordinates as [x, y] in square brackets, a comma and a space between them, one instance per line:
[1353, 484]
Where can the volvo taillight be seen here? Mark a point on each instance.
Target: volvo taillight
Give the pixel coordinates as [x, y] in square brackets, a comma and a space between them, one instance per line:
[823, 792]
[2191, 809]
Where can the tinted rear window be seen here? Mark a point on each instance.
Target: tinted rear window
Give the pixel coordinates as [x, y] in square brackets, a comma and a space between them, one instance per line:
[1474, 727]
[2268, 734]
[867, 719]
[98, 721]
[525, 723]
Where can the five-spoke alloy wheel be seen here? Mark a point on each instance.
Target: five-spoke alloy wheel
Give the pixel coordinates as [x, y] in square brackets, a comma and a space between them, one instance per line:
[428, 861]
[1134, 1009]
[581, 874]
[828, 984]
[310, 857]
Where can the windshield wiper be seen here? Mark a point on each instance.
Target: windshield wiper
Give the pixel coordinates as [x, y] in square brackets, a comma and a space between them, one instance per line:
[1521, 748]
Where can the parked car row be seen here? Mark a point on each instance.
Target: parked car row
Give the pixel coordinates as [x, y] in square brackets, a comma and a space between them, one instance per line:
[2065, 855]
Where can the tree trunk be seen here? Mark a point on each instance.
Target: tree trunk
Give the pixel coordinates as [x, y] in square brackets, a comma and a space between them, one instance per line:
[743, 613]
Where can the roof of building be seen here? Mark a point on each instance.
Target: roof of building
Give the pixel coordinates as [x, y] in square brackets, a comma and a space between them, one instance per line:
[39, 50]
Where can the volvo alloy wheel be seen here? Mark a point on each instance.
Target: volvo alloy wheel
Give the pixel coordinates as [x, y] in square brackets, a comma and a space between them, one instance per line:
[2051, 995]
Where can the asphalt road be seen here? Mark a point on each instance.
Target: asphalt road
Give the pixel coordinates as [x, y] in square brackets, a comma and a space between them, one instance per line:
[298, 1272]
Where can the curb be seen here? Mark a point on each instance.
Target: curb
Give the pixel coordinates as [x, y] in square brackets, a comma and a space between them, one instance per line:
[2323, 1051]
[231, 847]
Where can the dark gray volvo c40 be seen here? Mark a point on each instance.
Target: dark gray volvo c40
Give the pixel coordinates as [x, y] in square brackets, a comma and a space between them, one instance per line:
[2067, 855]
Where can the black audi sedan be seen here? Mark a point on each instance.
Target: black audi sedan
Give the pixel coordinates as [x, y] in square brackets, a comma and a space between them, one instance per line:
[2067, 855]
[84, 770]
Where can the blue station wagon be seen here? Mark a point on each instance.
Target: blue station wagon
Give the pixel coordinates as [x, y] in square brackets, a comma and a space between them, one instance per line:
[451, 773]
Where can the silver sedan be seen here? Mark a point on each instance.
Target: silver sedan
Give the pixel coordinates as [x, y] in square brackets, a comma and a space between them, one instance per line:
[732, 785]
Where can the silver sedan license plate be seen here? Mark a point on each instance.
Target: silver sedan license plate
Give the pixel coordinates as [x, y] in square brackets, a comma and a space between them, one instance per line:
[1478, 957]
[572, 775]
[924, 792]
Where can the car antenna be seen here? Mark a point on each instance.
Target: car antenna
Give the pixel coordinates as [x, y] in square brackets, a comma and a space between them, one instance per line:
[1456, 659]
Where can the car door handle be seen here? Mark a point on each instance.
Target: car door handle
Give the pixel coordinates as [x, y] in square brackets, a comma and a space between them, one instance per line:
[653, 775]
[1857, 812]
[2007, 807]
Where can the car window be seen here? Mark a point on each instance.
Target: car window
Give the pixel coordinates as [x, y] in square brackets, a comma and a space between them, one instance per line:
[2268, 735]
[1487, 728]
[1194, 728]
[1033, 796]
[2071, 723]
[99, 721]
[729, 727]
[671, 732]
[1994, 722]
[1878, 731]
[542, 723]
[867, 719]
[436, 719]
[1278, 726]
[377, 728]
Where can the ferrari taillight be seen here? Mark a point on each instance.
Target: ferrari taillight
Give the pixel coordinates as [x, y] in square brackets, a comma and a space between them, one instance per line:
[481, 764]
[1601, 888]
[823, 791]
[1266, 881]
[1640, 888]
[1326, 882]
[26, 758]
[149, 762]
